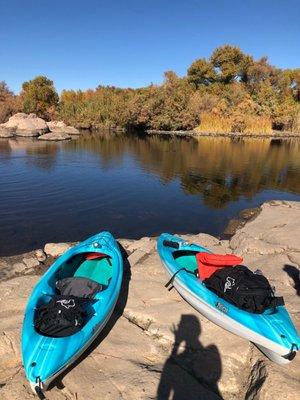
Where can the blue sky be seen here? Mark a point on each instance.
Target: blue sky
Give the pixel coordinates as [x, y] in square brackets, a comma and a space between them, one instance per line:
[81, 44]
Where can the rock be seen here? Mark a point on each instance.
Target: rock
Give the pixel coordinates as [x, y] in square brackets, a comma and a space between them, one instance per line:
[31, 262]
[136, 257]
[249, 213]
[13, 266]
[144, 244]
[72, 131]
[56, 126]
[40, 255]
[232, 226]
[57, 249]
[126, 243]
[204, 238]
[6, 132]
[271, 231]
[55, 136]
[19, 268]
[279, 385]
[83, 125]
[156, 342]
[61, 127]
[274, 224]
[26, 125]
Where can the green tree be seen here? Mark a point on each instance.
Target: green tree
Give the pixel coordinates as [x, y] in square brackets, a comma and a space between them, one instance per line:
[39, 97]
[201, 72]
[228, 61]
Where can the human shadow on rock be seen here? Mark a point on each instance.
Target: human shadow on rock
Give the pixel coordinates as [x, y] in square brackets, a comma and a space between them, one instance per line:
[117, 313]
[192, 370]
[293, 273]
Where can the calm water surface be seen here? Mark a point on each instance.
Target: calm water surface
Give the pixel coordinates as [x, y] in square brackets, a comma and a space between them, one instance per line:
[135, 186]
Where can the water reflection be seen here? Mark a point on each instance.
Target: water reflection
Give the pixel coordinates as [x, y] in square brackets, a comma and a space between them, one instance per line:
[219, 170]
[136, 186]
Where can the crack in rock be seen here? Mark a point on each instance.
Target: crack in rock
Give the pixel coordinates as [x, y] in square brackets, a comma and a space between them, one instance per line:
[257, 377]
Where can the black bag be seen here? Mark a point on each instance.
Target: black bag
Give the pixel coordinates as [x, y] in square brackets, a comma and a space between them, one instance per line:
[62, 316]
[245, 289]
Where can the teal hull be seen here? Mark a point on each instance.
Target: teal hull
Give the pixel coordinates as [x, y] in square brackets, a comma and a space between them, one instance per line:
[273, 332]
[44, 357]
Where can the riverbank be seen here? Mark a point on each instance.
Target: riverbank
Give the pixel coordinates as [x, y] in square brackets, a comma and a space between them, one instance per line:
[136, 354]
[31, 126]
[195, 134]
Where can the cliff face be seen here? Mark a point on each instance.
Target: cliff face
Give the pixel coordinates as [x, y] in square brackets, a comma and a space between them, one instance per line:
[156, 345]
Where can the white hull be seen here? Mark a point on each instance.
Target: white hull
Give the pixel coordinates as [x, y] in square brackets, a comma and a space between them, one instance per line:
[272, 350]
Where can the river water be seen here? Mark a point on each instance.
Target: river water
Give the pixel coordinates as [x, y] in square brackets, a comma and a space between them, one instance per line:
[136, 186]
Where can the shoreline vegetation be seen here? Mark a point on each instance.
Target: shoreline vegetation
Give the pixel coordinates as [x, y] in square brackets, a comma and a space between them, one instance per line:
[195, 133]
[229, 93]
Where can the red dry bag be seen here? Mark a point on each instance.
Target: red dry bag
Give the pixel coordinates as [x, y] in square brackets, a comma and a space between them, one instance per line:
[209, 263]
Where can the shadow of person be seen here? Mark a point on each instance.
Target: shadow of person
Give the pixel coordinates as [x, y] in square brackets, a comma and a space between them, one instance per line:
[293, 273]
[192, 371]
[117, 313]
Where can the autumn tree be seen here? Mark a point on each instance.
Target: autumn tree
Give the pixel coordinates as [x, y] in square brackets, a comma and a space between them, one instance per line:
[229, 91]
[227, 61]
[173, 103]
[294, 75]
[39, 97]
[9, 103]
[201, 72]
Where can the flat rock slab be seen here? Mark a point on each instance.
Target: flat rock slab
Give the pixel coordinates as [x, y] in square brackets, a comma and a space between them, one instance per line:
[55, 136]
[156, 346]
[57, 249]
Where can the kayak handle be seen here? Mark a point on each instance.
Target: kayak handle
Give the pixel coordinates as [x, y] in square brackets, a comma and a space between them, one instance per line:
[39, 393]
[169, 243]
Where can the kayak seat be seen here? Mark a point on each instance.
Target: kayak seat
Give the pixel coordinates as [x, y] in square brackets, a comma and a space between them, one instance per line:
[93, 266]
[98, 270]
[186, 259]
[209, 263]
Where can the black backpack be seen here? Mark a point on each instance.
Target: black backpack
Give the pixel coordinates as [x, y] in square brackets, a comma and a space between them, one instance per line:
[245, 289]
[62, 316]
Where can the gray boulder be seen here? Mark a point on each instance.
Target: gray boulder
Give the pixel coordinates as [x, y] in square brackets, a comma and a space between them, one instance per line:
[26, 125]
[61, 127]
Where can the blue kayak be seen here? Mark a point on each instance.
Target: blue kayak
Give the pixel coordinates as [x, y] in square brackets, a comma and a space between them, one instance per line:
[46, 357]
[273, 331]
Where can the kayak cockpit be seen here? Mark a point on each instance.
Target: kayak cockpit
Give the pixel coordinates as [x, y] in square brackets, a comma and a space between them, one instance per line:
[186, 259]
[81, 266]
[89, 267]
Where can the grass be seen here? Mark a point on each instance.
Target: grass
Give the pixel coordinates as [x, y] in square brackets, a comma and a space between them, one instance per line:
[247, 124]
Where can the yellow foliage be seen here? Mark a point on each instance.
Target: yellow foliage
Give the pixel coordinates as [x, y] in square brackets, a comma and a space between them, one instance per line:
[213, 123]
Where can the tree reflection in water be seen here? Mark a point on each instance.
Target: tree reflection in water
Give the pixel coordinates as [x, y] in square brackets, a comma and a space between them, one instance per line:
[136, 186]
[219, 170]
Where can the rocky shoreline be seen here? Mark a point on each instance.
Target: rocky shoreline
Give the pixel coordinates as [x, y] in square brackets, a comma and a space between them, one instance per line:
[137, 356]
[31, 126]
[195, 134]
